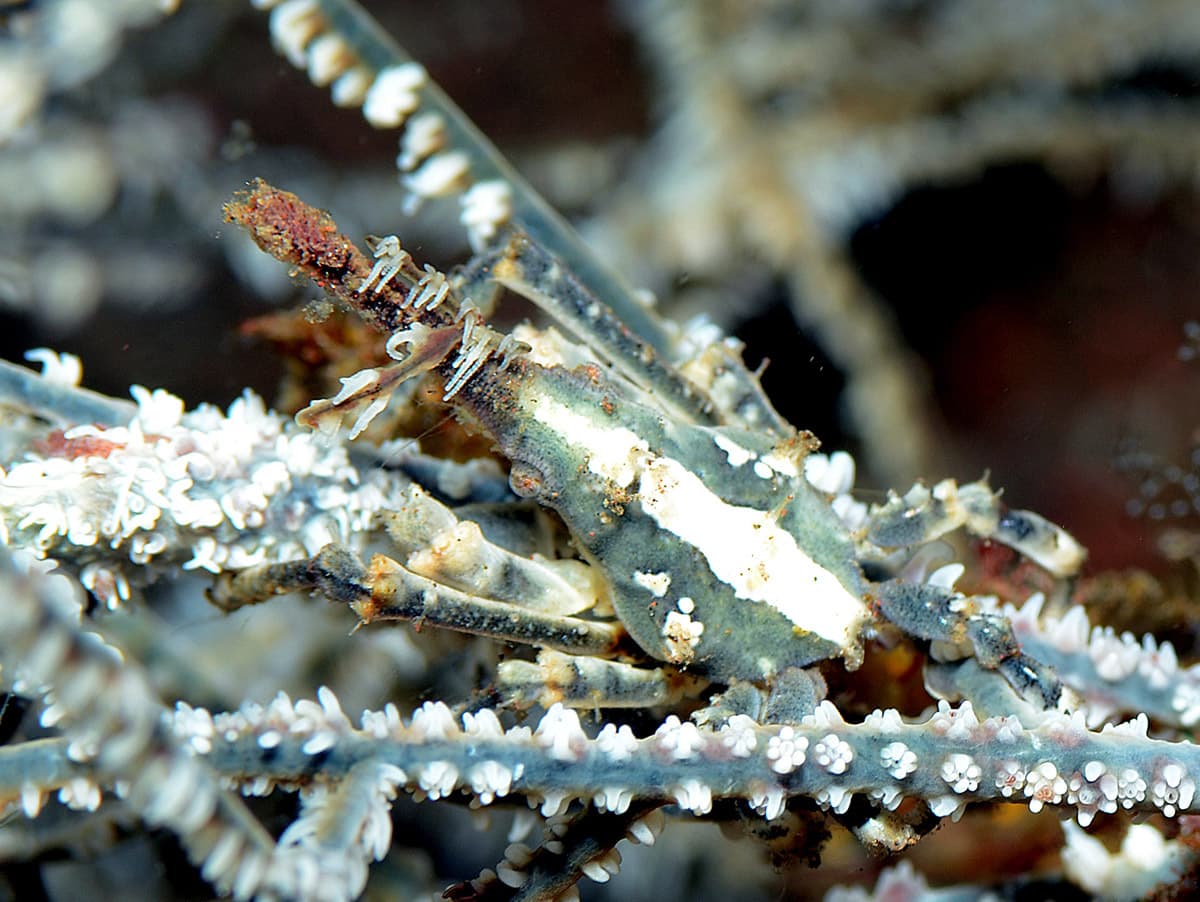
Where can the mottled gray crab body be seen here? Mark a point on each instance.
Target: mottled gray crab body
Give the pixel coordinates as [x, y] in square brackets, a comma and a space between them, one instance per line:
[719, 555]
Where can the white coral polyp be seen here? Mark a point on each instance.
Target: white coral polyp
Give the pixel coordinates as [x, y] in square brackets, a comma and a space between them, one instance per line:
[211, 490]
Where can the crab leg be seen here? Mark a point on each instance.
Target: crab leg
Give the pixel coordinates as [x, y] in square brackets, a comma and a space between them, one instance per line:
[580, 682]
[387, 591]
[925, 514]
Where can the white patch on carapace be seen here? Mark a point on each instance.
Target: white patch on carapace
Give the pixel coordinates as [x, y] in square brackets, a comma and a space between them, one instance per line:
[549, 348]
[762, 471]
[736, 453]
[748, 550]
[613, 452]
[654, 583]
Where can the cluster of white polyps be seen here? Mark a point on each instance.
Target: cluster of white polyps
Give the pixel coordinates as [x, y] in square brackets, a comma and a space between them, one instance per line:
[206, 489]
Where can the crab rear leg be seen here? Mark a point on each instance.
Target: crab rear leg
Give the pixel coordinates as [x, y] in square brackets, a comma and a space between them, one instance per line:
[582, 682]
[792, 695]
[936, 613]
[940, 615]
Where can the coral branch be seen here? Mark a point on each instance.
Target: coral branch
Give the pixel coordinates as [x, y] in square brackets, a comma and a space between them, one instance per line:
[947, 760]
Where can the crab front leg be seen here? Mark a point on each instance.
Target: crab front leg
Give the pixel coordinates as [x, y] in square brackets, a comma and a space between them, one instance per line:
[385, 590]
[924, 514]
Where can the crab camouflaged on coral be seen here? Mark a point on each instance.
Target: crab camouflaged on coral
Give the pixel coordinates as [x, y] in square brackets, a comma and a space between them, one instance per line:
[641, 595]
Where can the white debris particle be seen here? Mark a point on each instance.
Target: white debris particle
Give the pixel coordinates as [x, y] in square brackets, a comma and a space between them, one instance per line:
[656, 584]
[736, 453]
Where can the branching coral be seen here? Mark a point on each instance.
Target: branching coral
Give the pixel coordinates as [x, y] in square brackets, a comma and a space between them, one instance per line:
[634, 593]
